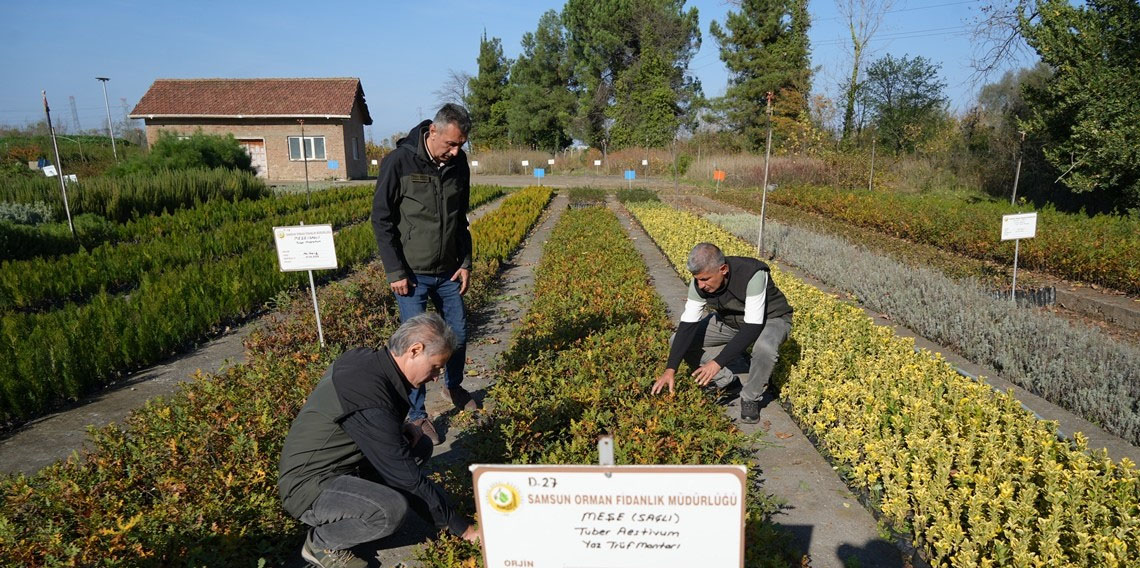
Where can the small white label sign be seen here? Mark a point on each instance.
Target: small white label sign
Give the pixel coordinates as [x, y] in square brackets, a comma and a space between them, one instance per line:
[556, 516]
[526, 162]
[375, 162]
[550, 162]
[1019, 226]
[72, 177]
[645, 162]
[305, 247]
[49, 171]
[597, 162]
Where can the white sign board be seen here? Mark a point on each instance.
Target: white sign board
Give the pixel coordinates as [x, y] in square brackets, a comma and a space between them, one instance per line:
[305, 247]
[72, 177]
[1020, 226]
[645, 162]
[597, 162]
[474, 163]
[550, 162]
[49, 170]
[558, 516]
[526, 163]
[375, 162]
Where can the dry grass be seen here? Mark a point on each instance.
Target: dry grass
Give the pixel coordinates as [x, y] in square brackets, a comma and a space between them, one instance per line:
[905, 174]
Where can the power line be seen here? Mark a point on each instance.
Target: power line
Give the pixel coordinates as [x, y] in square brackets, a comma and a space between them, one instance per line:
[931, 7]
[951, 30]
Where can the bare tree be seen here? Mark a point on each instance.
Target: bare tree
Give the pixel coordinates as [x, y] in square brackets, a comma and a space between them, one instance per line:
[997, 35]
[863, 19]
[454, 88]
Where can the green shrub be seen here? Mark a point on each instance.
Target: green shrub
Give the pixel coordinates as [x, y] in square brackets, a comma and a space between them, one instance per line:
[1102, 249]
[198, 151]
[191, 480]
[580, 365]
[124, 198]
[636, 194]
[587, 195]
[682, 164]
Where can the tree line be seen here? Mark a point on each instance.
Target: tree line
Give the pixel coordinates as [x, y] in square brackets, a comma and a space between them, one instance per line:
[615, 74]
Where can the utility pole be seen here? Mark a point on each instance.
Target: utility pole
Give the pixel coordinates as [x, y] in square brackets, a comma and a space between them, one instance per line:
[107, 105]
[764, 190]
[74, 114]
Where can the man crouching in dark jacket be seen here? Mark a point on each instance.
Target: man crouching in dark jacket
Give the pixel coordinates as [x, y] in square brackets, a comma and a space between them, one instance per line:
[350, 464]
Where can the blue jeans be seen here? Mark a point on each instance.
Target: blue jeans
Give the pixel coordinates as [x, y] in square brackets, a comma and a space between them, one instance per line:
[444, 295]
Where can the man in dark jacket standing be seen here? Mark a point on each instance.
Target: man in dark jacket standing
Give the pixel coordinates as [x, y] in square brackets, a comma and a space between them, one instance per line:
[748, 311]
[419, 216]
[350, 464]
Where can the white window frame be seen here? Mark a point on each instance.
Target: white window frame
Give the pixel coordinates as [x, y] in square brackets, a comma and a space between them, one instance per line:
[309, 148]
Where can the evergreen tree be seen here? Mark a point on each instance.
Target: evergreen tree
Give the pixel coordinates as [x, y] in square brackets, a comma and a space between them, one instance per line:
[645, 108]
[765, 48]
[1088, 111]
[541, 103]
[607, 37]
[487, 94]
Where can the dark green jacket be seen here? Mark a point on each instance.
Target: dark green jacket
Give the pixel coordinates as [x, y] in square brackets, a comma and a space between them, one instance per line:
[352, 424]
[419, 211]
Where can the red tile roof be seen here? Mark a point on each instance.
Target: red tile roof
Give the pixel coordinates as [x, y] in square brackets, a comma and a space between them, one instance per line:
[252, 98]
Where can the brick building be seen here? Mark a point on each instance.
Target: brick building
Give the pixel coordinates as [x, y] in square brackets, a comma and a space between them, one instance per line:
[264, 115]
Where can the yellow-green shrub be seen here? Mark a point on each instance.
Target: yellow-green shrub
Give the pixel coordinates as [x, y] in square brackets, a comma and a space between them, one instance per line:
[969, 475]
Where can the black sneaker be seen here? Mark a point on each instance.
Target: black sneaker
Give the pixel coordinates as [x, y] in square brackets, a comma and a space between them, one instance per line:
[749, 411]
[330, 558]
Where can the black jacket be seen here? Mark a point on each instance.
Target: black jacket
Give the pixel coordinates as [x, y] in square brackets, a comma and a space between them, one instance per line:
[419, 210]
[354, 420]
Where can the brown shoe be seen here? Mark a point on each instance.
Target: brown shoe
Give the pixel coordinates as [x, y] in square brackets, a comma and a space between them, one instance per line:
[460, 398]
[429, 430]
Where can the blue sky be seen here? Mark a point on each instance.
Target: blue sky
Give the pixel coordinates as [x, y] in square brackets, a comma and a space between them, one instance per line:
[400, 51]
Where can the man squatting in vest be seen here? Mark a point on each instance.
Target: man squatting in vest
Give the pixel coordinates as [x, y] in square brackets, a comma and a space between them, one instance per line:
[350, 464]
[748, 310]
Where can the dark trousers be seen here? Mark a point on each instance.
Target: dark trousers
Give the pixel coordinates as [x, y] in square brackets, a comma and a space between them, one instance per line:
[353, 510]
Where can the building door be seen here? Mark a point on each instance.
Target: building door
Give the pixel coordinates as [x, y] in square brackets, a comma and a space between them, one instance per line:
[256, 150]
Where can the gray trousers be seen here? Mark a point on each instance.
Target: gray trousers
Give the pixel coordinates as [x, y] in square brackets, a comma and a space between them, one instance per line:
[353, 510]
[713, 335]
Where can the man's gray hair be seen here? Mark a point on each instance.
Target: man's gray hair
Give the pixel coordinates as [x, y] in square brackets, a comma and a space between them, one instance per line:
[705, 257]
[452, 113]
[428, 329]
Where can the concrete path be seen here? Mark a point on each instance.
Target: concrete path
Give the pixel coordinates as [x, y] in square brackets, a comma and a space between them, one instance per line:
[825, 518]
